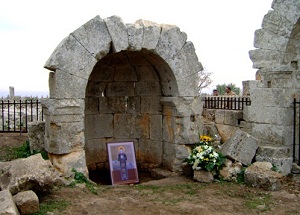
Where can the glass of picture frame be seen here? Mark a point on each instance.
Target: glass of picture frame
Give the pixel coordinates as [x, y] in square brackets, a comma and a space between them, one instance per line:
[122, 163]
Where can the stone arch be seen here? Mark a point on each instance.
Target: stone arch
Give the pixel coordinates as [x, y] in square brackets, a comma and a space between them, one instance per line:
[270, 116]
[103, 47]
[277, 42]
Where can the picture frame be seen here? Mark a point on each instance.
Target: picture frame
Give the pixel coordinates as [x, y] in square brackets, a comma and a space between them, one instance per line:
[122, 163]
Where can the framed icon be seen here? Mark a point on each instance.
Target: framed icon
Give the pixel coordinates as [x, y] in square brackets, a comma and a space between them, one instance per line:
[122, 163]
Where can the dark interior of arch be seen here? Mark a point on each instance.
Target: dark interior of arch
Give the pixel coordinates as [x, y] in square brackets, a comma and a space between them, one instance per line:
[293, 50]
[122, 104]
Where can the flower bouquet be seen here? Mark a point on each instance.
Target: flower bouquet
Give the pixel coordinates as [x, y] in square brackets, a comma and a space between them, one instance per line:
[203, 156]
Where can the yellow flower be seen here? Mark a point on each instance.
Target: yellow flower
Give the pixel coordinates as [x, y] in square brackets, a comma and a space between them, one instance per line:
[205, 138]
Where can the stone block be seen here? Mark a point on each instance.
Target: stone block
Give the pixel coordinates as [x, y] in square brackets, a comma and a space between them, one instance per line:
[203, 176]
[98, 126]
[185, 63]
[139, 59]
[95, 89]
[226, 131]
[147, 88]
[219, 116]
[123, 126]
[95, 151]
[240, 147]
[66, 162]
[283, 164]
[168, 125]
[264, 39]
[271, 97]
[63, 106]
[151, 33]
[266, 115]
[155, 127]
[170, 42]
[188, 86]
[133, 105]
[120, 89]
[94, 36]
[274, 151]
[71, 58]
[146, 73]
[135, 36]
[7, 204]
[101, 74]
[112, 105]
[286, 11]
[273, 134]
[209, 114]
[27, 202]
[262, 58]
[36, 135]
[151, 104]
[31, 173]
[150, 151]
[92, 105]
[169, 150]
[232, 117]
[276, 23]
[260, 176]
[118, 33]
[141, 127]
[63, 138]
[125, 73]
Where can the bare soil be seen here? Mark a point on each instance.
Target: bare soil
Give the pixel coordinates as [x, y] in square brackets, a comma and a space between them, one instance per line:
[173, 195]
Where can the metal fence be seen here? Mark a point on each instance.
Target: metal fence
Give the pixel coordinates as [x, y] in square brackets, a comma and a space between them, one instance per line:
[296, 131]
[226, 102]
[15, 115]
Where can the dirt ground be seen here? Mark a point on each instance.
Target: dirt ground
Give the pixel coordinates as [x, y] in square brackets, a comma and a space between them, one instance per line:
[174, 195]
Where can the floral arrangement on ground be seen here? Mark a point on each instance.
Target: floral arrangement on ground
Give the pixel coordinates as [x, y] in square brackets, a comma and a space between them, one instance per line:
[204, 156]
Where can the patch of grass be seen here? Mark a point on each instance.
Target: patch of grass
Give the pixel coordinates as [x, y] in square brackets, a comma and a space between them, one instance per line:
[261, 199]
[241, 176]
[81, 178]
[52, 205]
[12, 153]
[23, 151]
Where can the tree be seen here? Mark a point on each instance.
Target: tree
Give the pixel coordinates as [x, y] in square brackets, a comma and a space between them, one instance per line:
[221, 88]
[204, 79]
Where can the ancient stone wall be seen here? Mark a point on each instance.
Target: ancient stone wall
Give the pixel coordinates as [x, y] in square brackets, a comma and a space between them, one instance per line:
[270, 115]
[112, 81]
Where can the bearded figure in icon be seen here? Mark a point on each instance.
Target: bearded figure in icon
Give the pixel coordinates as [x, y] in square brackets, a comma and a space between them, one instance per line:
[122, 158]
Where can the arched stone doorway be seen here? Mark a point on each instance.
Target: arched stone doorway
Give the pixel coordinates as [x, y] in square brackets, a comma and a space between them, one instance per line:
[112, 81]
[123, 103]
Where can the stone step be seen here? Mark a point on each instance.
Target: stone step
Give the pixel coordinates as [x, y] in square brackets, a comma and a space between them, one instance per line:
[274, 151]
[283, 165]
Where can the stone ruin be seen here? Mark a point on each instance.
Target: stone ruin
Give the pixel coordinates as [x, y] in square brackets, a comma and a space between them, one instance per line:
[116, 82]
[113, 82]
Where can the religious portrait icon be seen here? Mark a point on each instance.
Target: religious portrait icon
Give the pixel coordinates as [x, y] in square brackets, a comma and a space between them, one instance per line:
[122, 163]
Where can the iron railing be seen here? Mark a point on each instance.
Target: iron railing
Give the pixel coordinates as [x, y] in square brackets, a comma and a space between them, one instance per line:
[226, 102]
[296, 131]
[15, 115]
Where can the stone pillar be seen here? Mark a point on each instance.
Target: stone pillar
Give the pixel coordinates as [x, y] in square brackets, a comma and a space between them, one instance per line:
[11, 92]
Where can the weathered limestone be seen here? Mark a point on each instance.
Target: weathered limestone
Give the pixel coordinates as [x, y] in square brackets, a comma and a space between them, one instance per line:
[7, 204]
[231, 170]
[276, 57]
[36, 135]
[203, 176]
[32, 173]
[27, 202]
[279, 156]
[240, 147]
[65, 163]
[261, 175]
[115, 91]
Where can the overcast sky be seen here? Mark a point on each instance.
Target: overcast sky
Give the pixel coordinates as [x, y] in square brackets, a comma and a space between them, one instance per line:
[221, 31]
